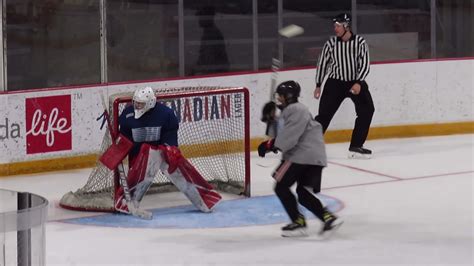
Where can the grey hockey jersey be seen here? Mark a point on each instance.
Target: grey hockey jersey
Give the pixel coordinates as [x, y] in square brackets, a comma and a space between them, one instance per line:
[301, 137]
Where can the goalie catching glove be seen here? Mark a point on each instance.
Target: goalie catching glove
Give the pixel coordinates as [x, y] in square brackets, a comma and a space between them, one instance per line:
[266, 147]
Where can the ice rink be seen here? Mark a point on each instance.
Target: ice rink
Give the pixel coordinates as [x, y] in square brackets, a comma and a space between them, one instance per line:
[411, 204]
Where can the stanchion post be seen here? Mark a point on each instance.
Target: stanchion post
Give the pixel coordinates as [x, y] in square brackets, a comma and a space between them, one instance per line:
[23, 236]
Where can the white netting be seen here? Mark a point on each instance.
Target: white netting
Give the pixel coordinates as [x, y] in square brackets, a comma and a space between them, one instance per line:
[213, 135]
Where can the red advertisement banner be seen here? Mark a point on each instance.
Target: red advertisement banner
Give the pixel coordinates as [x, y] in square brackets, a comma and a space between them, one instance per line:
[48, 124]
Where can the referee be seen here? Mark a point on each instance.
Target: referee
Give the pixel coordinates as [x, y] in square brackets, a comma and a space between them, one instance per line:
[345, 61]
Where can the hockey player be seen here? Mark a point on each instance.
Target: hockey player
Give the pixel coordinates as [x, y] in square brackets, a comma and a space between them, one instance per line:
[149, 136]
[304, 156]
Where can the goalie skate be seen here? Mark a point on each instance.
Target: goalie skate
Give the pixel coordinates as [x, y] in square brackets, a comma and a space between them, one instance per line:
[141, 213]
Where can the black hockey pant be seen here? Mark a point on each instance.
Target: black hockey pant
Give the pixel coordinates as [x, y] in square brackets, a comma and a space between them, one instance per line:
[308, 180]
[334, 93]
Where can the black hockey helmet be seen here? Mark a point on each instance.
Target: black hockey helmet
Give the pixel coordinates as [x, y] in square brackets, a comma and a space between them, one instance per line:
[343, 18]
[290, 90]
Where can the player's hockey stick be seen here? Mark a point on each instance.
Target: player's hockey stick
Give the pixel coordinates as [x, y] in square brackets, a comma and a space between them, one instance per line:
[134, 210]
[272, 124]
[289, 31]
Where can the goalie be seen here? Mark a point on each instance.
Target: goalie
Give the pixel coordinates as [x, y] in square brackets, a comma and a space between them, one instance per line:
[149, 136]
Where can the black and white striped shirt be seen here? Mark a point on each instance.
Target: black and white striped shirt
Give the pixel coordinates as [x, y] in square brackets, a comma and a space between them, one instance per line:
[346, 61]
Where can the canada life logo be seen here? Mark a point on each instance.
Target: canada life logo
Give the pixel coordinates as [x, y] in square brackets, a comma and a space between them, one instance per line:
[48, 124]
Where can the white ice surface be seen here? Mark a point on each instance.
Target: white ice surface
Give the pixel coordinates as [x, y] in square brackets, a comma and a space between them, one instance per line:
[411, 204]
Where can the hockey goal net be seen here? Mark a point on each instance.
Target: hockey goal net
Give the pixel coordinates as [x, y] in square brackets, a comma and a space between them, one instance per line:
[213, 134]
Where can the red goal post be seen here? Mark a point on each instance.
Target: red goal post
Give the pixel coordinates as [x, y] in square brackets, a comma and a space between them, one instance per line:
[214, 134]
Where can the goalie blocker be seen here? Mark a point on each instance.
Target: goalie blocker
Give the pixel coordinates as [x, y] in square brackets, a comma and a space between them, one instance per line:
[168, 160]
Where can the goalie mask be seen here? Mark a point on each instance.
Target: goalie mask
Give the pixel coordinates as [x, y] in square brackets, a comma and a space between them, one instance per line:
[143, 100]
[289, 91]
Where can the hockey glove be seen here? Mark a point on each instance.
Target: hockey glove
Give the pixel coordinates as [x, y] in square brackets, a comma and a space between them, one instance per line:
[266, 147]
[268, 112]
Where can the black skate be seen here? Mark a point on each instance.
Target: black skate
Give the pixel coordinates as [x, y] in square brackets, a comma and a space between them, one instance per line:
[295, 229]
[331, 224]
[359, 153]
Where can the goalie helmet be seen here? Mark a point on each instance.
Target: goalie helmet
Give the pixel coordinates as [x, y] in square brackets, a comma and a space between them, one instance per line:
[289, 90]
[343, 18]
[143, 100]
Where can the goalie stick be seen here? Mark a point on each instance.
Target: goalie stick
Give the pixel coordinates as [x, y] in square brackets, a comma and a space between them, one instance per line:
[134, 210]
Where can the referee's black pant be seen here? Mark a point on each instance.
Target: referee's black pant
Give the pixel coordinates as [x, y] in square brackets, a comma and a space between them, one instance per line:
[334, 93]
[308, 180]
